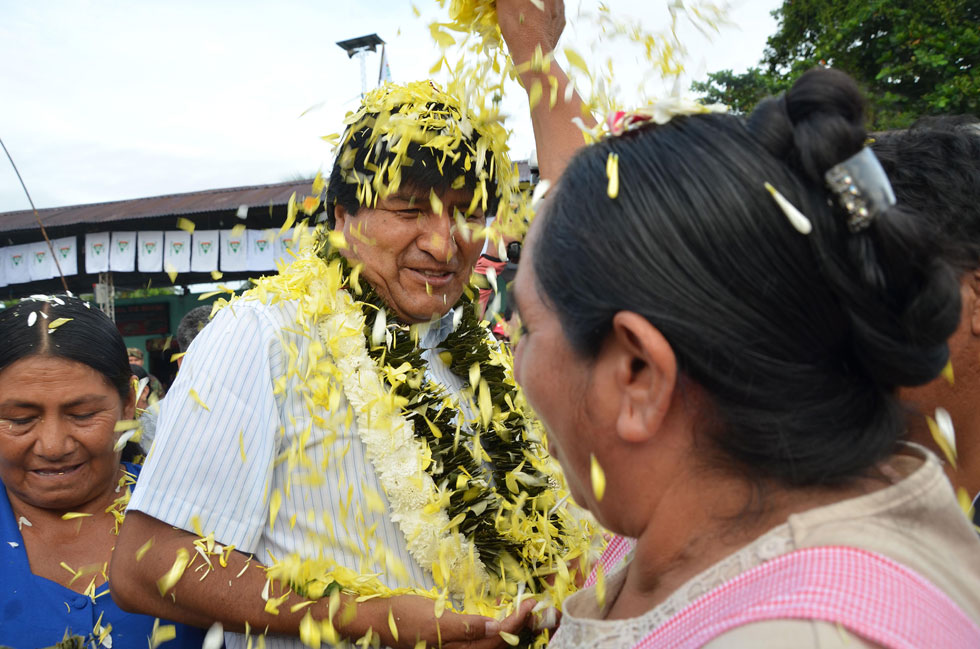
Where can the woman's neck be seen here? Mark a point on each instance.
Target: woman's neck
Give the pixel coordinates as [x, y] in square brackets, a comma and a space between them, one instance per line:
[54, 519]
[704, 519]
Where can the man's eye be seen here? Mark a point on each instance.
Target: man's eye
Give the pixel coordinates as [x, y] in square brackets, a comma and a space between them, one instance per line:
[82, 416]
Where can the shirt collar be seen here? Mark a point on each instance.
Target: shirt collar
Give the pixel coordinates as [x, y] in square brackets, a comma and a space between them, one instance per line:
[436, 331]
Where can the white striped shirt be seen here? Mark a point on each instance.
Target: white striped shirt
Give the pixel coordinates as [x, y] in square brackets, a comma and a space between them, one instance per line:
[314, 461]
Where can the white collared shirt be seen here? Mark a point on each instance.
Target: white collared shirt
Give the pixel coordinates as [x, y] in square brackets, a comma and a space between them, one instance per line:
[222, 462]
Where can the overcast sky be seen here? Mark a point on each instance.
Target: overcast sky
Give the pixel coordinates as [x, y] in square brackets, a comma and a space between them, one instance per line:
[105, 100]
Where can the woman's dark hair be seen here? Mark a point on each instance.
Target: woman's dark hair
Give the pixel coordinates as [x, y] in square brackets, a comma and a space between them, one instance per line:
[86, 336]
[798, 341]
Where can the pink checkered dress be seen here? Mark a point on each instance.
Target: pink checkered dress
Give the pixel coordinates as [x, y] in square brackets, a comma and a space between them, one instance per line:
[866, 593]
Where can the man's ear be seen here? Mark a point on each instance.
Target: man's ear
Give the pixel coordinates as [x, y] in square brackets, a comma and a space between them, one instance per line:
[339, 216]
[645, 371]
[975, 304]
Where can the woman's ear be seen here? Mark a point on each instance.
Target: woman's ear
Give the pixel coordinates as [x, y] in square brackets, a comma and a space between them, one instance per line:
[645, 371]
[129, 403]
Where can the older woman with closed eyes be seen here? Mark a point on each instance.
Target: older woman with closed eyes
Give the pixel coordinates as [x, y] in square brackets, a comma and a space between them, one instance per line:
[65, 384]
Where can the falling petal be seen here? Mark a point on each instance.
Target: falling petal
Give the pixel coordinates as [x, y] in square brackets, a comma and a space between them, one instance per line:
[73, 515]
[32, 318]
[378, 330]
[169, 580]
[391, 625]
[965, 503]
[194, 395]
[143, 549]
[948, 371]
[600, 586]
[945, 439]
[162, 633]
[612, 172]
[215, 637]
[510, 638]
[598, 480]
[796, 218]
[185, 224]
[57, 322]
[123, 425]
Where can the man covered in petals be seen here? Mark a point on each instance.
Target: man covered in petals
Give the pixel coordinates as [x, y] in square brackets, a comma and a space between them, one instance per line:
[344, 455]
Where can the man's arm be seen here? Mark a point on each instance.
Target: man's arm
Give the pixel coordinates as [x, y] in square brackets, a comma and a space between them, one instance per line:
[525, 28]
[232, 595]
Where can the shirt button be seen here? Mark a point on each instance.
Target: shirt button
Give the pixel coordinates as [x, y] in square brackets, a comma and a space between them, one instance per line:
[81, 601]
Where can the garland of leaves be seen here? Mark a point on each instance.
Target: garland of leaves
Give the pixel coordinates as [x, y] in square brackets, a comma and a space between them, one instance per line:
[491, 472]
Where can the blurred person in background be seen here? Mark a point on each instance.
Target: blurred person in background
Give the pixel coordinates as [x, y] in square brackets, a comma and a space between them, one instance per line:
[934, 168]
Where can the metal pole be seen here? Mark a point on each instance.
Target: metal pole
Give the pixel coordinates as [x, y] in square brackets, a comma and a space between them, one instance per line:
[362, 58]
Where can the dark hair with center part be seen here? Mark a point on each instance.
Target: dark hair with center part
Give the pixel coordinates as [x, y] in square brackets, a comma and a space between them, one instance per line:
[798, 341]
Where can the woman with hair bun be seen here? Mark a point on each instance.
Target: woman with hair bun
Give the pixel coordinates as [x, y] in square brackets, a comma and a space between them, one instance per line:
[65, 384]
[718, 313]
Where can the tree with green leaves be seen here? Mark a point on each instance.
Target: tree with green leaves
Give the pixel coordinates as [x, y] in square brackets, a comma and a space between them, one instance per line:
[912, 57]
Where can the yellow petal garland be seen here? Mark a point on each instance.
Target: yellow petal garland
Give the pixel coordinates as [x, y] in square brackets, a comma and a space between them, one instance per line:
[548, 534]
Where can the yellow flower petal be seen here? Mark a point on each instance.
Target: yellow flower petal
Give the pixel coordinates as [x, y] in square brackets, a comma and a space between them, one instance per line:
[598, 480]
[169, 580]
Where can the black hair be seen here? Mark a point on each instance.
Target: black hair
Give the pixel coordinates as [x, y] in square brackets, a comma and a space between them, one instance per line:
[88, 337]
[798, 341]
[138, 371]
[363, 154]
[191, 324]
[934, 167]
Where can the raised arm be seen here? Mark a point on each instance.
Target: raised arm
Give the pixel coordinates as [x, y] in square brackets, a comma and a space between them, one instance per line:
[525, 27]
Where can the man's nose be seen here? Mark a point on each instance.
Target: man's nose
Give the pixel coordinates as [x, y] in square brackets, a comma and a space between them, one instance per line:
[438, 237]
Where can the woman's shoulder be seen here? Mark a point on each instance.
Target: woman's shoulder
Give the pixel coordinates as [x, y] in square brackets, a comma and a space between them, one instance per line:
[916, 522]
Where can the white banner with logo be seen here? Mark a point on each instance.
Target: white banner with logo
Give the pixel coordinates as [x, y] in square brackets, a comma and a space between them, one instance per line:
[66, 252]
[234, 250]
[97, 252]
[149, 251]
[16, 264]
[40, 261]
[261, 249]
[122, 252]
[177, 251]
[286, 248]
[204, 257]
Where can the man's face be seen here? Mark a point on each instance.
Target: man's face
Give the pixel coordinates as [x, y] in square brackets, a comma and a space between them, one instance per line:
[417, 260]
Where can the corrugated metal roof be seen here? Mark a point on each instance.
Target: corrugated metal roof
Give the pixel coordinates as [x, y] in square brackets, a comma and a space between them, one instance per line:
[211, 200]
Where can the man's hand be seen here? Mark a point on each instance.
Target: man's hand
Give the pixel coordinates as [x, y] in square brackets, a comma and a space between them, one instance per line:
[414, 618]
[524, 26]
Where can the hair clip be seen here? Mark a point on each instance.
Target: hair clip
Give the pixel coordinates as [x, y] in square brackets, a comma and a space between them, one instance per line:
[796, 218]
[862, 188]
